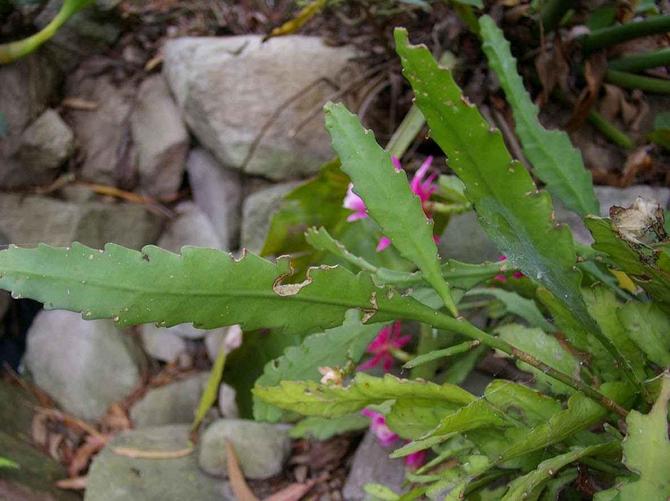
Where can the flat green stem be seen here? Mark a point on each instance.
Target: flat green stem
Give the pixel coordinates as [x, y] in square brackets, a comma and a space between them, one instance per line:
[610, 131]
[631, 81]
[552, 12]
[606, 37]
[462, 326]
[641, 62]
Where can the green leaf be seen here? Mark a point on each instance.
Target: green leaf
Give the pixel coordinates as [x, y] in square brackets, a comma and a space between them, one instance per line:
[312, 399]
[203, 286]
[637, 261]
[543, 347]
[412, 419]
[387, 195]
[517, 305]
[437, 354]
[648, 326]
[646, 450]
[604, 307]
[474, 415]
[555, 160]
[581, 414]
[527, 405]
[211, 392]
[319, 428]
[332, 348]
[530, 486]
[8, 463]
[516, 216]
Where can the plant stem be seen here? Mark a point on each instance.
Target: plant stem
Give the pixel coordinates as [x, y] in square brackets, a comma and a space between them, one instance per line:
[552, 12]
[462, 326]
[640, 62]
[428, 342]
[605, 37]
[610, 131]
[15, 50]
[631, 81]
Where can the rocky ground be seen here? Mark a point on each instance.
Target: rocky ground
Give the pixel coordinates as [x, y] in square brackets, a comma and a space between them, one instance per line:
[128, 129]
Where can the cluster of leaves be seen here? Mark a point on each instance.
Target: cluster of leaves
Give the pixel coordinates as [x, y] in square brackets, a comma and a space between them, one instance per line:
[596, 351]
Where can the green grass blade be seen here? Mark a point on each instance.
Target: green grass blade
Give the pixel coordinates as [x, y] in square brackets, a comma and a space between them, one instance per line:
[211, 392]
[387, 195]
[555, 160]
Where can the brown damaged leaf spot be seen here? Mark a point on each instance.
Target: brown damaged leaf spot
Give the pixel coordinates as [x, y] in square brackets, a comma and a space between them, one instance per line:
[282, 289]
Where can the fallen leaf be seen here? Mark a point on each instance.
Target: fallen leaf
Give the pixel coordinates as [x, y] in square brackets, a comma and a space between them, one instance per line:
[293, 492]
[237, 481]
[594, 72]
[143, 454]
[637, 162]
[75, 484]
[83, 454]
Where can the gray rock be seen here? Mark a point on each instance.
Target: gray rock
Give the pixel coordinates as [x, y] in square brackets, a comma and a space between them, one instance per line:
[465, 240]
[190, 227]
[218, 193]
[46, 143]
[26, 87]
[174, 403]
[84, 365]
[162, 344]
[608, 197]
[229, 88]
[261, 448]
[114, 477]
[230, 337]
[257, 212]
[371, 464]
[227, 402]
[104, 133]
[29, 220]
[160, 138]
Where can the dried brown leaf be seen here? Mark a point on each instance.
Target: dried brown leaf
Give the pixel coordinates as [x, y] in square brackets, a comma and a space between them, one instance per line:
[83, 454]
[237, 482]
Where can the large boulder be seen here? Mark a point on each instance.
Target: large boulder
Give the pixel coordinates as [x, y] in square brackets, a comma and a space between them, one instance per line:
[261, 448]
[29, 220]
[84, 365]
[160, 138]
[255, 105]
[116, 477]
[217, 191]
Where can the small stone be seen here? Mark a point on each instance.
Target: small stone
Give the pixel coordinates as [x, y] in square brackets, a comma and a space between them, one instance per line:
[84, 365]
[227, 403]
[257, 212]
[261, 448]
[173, 403]
[46, 143]
[160, 138]
[190, 227]
[218, 193]
[213, 341]
[256, 104]
[162, 344]
[32, 219]
[371, 464]
[114, 477]
[465, 240]
[103, 133]
[187, 331]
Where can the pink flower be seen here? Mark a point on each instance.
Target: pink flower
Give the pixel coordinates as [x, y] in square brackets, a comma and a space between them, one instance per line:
[422, 185]
[386, 437]
[502, 278]
[382, 347]
[415, 460]
[379, 428]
